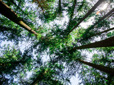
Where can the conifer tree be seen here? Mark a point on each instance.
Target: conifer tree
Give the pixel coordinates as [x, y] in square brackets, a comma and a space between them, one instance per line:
[57, 51]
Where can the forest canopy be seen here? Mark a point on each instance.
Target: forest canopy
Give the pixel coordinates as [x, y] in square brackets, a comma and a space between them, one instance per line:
[47, 42]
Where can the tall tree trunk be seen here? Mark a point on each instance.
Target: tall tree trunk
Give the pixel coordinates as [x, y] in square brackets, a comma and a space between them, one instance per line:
[9, 13]
[108, 70]
[108, 14]
[18, 7]
[109, 42]
[60, 8]
[89, 12]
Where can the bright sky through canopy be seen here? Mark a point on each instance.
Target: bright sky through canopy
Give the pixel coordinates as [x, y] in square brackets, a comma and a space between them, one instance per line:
[104, 6]
[72, 46]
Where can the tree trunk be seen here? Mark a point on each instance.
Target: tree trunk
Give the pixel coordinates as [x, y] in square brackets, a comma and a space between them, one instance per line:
[60, 8]
[89, 12]
[9, 13]
[108, 70]
[109, 42]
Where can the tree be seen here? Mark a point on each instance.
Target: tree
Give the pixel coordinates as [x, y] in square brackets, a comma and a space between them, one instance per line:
[95, 76]
[104, 43]
[91, 27]
[89, 12]
[97, 34]
[6, 11]
[99, 67]
[46, 51]
[59, 8]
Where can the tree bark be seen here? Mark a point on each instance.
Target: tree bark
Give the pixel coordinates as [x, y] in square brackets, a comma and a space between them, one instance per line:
[9, 13]
[60, 8]
[89, 12]
[108, 70]
[109, 42]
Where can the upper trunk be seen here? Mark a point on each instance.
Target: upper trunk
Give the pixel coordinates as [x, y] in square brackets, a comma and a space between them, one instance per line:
[109, 42]
[60, 8]
[9, 13]
[99, 67]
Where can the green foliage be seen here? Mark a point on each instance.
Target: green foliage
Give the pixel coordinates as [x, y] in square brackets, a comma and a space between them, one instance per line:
[50, 56]
[103, 58]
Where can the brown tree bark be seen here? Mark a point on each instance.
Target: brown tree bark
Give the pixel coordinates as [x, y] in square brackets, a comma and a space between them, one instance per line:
[109, 42]
[108, 70]
[9, 13]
